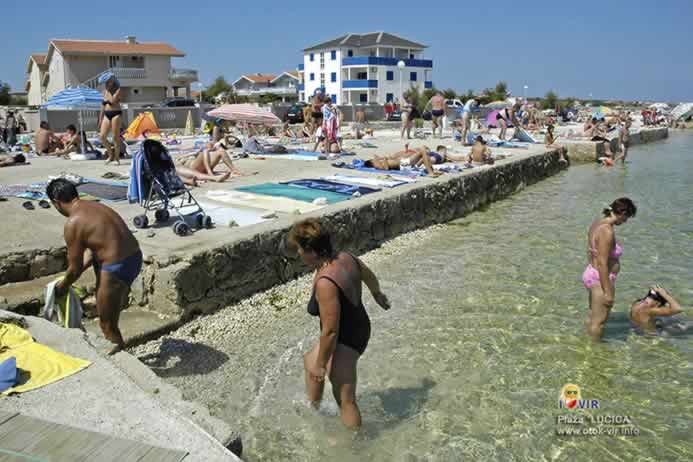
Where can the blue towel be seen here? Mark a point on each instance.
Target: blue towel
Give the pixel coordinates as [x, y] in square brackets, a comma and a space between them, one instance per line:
[135, 188]
[8, 374]
[293, 192]
[324, 185]
[32, 195]
[357, 164]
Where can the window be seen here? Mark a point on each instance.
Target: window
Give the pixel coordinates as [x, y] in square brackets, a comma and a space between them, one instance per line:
[322, 80]
[333, 55]
[312, 76]
[311, 57]
[350, 53]
[411, 56]
[363, 97]
[389, 98]
[412, 76]
[362, 76]
[333, 77]
[390, 75]
[113, 61]
[322, 60]
[334, 99]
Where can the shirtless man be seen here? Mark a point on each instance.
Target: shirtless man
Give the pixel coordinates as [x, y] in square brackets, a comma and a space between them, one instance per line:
[71, 143]
[414, 158]
[467, 118]
[480, 153]
[437, 112]
[359, 123]
[316, 109]
[10, 160]
[200, 166]
[45, 140]
[644, 313]
[624, 140]
[114, 254]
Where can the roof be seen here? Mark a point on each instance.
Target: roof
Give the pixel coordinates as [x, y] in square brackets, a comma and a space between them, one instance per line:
[367, 40]
[260, 78]
[292, 74]
[39, 59]
[106, 47]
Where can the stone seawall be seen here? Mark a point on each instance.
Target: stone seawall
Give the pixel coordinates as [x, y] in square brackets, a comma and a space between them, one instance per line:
[217, 277]
[590, 151]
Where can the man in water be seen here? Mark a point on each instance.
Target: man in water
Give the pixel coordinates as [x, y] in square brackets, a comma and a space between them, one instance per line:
[115, 254]
[437, 112]
[646, 314]
[624, 140]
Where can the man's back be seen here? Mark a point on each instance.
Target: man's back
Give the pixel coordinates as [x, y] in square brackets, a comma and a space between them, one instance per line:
[438, 102]
[103, 232]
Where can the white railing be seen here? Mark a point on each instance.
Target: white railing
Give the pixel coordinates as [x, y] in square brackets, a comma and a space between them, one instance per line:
[121, 73]
[188, 75]
[267, 91]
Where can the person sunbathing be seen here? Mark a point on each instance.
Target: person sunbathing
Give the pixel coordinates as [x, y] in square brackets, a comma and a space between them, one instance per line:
[8, 161]
[45, 140]
[480, 153]
[201, 165]
[422, 156]
[288, 131]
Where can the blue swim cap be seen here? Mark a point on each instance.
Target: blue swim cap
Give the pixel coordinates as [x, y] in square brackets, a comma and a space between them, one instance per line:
[105, 77]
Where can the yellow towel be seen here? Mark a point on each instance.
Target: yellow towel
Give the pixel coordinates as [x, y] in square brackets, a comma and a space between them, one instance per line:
[43, 365]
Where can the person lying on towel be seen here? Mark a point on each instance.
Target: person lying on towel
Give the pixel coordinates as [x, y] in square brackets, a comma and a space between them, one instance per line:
[201, 165]
[8, 161]
[422, 156]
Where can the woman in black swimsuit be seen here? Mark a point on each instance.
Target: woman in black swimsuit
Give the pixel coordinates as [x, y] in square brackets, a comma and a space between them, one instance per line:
[110, 117]
[502, 119]
[344, 324]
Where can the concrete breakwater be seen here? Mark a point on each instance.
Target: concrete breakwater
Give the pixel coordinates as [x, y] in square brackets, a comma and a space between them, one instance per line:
[590, 151]
[216, 277]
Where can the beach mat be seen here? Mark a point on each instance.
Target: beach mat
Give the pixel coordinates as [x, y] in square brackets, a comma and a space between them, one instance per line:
[104, 191]
[275, 204]
[284, 156]
[293, 192]
[522, 135]
[357, 164]
[386, 182]
[335, 187]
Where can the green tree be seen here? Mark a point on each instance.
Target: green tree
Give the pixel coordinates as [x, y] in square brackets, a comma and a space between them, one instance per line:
[467, 96]
[450, 94]
[4, 94]
[500, 91]
[220, 85]
[550, 100]
[18, 101]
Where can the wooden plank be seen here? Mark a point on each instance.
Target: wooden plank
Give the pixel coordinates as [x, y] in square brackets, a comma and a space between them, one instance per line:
[25, 439]
[163, 455]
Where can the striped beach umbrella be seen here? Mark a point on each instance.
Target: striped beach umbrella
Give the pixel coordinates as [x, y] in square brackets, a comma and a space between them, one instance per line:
[83, 98]
[244, 113]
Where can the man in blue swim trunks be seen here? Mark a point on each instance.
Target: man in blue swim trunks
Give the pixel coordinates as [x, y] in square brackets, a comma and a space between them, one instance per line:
[115, 254]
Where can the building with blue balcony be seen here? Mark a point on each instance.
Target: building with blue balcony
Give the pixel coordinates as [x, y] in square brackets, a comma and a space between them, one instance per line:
[364, 68]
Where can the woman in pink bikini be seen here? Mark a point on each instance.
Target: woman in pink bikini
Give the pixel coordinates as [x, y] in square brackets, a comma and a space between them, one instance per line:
[603, 255]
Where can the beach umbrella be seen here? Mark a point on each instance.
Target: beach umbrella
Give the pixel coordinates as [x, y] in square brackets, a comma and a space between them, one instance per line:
[497, 105]
[80, 98]
[246, 113]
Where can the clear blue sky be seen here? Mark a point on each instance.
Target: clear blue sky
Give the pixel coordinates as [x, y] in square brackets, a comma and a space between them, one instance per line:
[611, 48]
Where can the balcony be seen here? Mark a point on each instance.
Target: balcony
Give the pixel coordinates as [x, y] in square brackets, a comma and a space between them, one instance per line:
[121, 73]
[360, 84]
[281, 91]
[183, 75]
[380, 61]
[428, 84]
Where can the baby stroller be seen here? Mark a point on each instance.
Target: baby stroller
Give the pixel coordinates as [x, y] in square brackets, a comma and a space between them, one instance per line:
[154, 183]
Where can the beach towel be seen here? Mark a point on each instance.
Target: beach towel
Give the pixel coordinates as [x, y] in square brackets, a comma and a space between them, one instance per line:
[104, 190]
[293, 192]
[335, 187]
[357, 164]
[38, 365]
[258, 201]
[522, 135]
[8, 374]
[385, 182]
[223, 214]
[65, 310]
[284, 157]
[506, 144]
[330, 123]
[136, 188]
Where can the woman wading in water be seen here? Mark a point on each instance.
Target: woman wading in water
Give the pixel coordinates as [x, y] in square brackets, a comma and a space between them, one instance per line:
[111, 116]
[344, 324]
[603, 255]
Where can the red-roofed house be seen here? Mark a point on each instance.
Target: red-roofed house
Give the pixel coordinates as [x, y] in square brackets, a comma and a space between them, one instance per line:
[143, 69]
[284, 85]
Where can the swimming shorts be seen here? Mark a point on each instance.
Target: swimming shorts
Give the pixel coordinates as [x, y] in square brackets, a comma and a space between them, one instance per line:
[590, 277]
[437, 158]
[316, 115]
[437, 113]
[126, 270]
[111, 114]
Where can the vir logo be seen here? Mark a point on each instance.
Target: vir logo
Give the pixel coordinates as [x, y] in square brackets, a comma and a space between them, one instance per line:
[571, 398]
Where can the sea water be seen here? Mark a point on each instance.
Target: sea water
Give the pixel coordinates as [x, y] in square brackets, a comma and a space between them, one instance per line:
[486, 327]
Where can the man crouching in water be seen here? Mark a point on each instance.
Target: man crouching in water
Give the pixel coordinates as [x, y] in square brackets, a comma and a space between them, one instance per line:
[115, 254]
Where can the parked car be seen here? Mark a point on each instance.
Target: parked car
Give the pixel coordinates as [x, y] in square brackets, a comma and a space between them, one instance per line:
[454, 103]
[394, 116]
[295, 114]
[178, 101]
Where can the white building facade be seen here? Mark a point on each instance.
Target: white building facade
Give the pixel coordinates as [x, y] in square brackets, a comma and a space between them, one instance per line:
[363, 68]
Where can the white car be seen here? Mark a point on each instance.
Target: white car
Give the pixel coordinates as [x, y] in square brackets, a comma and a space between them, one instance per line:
[454, 103]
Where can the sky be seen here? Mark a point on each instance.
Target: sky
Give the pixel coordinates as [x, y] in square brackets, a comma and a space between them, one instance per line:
[611, 49]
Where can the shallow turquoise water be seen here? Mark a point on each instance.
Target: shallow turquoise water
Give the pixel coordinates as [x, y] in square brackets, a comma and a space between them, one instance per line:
[487, 326]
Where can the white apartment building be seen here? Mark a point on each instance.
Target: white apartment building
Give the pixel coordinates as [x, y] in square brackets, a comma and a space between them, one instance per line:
[363, 68]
